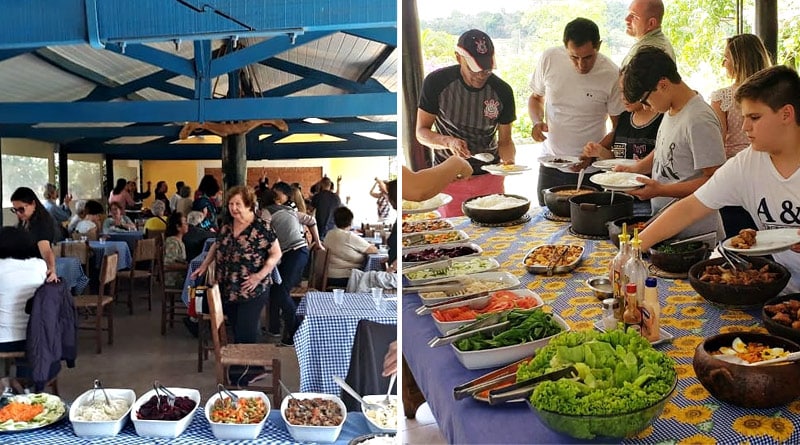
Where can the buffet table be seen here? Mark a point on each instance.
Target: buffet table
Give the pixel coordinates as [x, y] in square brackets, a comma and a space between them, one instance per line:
[324, 340]
[691, 416]
[199, 431]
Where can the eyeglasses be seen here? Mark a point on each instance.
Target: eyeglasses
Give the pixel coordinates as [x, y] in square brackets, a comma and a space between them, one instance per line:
[644, 98]
[17, 210]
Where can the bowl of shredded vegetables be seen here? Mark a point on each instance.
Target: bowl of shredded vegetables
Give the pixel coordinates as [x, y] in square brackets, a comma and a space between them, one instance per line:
[622, 385]
[242, 420]
[91, 416]
[451, 318]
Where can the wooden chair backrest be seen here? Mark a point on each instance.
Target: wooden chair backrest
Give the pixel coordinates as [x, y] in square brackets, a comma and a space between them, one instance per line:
[219, 335]
[108, 274]
[146, 249]
[91, 236]
[79, 250]
[318, 276]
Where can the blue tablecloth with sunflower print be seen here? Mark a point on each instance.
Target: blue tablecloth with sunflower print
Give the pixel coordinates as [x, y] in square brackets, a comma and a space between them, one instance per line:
[692, 416]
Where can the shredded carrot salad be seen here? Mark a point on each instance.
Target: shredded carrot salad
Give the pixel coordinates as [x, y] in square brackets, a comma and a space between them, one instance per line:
[247, 410]
[20, 412]
[499, 301]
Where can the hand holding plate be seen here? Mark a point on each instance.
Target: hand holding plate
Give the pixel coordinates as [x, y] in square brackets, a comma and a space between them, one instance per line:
[650, 190]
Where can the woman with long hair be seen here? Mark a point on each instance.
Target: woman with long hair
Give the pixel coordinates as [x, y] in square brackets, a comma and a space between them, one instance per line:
[60, 212]
[246, 252]
[121, 196]
[175, 250]
[745, 55]
[34, 218]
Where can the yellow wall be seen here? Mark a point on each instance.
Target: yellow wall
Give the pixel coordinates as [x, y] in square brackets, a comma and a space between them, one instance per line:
[170, 171]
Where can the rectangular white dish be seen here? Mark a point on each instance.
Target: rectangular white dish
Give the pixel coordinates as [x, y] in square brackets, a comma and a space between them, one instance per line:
[237, 431]
[444, 326]
[303, 433]
[412, 250]
[504, 279]
[490, 358]
[481, 264]
[100, 428]
[425, 238]
[164, 428]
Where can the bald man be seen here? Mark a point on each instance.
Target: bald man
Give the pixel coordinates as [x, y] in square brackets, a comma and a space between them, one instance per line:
[644, 23]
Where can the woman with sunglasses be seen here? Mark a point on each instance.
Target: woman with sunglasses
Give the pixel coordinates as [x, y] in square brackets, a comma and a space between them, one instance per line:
[34, 218]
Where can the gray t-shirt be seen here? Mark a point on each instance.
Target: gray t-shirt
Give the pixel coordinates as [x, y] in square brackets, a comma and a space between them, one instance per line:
[687, 143]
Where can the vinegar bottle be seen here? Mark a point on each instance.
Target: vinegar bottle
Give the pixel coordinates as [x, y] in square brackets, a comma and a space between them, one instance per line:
[616, 274]
[635, 270]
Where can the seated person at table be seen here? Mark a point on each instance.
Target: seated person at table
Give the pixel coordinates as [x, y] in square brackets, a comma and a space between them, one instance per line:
[118, 221]
[21, 273]
[80, 207]
[763, 178]
[157, 222]
[195, 238]
[59, 212]
[175, 251]
[92, 220]
[346, 250]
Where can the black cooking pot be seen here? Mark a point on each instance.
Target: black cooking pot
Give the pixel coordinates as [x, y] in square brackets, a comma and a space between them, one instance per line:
[558, 203]
[591, 212]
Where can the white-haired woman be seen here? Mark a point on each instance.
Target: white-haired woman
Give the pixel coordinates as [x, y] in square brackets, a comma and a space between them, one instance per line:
[157, 222]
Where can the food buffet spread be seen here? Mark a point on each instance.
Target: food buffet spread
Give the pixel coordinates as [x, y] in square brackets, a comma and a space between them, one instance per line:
[584, 383]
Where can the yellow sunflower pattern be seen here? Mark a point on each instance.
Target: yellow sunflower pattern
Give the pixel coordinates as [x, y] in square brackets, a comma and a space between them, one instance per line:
[692, 413]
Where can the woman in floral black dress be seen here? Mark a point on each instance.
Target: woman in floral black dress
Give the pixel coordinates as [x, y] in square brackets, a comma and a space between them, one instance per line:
[245, 253]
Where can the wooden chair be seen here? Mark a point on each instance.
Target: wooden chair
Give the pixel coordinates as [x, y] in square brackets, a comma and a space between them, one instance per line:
[226, 355]
[171, 301]
[90, 236]
[204, 346]
[160, 237]
[7, 357]
[99, 304]
[318, 276]
[146, 251]
[80, 250]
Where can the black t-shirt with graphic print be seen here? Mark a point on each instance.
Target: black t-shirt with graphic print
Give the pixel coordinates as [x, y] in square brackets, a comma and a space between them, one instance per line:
[471, 114]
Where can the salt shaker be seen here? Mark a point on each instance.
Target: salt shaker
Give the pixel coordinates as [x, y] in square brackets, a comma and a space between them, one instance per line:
[609, 320]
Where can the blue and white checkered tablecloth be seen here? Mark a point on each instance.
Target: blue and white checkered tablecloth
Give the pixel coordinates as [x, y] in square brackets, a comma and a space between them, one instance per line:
[198, 432]
[375, 261]
[128, 237]
[107, 248]
[325, 338]
[69, 269]
[198, 260]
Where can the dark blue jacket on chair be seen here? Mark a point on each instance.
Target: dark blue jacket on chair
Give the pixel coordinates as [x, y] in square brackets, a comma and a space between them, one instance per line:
[52, 333]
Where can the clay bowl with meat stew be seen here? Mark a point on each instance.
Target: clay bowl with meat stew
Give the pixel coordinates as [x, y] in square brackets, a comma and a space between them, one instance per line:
[678, 259]
[781, 316]
[724, 288]
[495, 208]
[313, 417]
[615, 227]
[557, 198]
[747, 386]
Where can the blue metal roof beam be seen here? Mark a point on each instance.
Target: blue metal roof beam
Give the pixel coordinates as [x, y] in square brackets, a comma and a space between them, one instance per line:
[155, 57]
[370, 86]
[37, 23]
[217, 110]
[262, 51]
[386, 34]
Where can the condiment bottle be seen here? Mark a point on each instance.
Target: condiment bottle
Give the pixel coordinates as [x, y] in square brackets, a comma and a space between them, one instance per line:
[616, 274]
[651, 311]
[635, 270]
[632, 315]
[609, 320]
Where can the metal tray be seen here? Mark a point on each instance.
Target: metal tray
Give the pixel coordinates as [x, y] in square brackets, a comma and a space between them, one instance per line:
[410, 238]
[544, 268]
[415, 249]
[446, 225]
[492, 265]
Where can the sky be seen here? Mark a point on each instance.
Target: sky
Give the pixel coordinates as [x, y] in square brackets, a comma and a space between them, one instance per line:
[429, 9]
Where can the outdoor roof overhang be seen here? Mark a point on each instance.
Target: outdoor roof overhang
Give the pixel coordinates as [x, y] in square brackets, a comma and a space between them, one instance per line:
[180, 85]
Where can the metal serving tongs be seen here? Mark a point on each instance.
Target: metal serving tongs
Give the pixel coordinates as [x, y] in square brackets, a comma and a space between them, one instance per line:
[476, 301]
[222, 389]
[434, 265]
[490, 323]
[167, 393]
[523, 389]
[441, 285]
[711, 237]
[554, 262]
[98, 385]
[735, 261]
[504, 375]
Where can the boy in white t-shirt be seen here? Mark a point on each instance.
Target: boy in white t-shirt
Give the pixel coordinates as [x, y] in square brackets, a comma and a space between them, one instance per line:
[689, 145]
[764, 178]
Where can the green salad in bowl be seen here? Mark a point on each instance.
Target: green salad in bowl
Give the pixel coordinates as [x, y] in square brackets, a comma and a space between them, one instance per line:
[622, 384]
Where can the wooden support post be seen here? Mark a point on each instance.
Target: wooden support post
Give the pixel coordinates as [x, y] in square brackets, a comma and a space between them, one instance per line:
[767, 25]
[234, 161]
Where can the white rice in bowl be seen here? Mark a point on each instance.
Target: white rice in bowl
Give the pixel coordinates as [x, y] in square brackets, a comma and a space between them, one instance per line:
[495, 202]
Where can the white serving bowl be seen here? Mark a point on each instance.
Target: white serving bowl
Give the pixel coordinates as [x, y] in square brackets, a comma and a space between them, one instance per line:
[324, 434]
[445, 326]
[495, 357]
[237, 431]
[378, 399]
[100, 428]
[164, 428]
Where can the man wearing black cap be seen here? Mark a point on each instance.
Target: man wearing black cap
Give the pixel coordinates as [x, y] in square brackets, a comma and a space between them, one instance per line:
[472, 110]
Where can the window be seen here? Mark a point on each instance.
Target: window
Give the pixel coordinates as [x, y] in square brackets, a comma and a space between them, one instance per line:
[85, 179]
[23, 171]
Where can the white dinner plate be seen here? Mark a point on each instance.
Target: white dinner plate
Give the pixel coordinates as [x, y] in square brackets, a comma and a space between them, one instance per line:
[426, 206]
[505, 170]
[768, 242]
[618, 181]
[609, 164]
[559, 162]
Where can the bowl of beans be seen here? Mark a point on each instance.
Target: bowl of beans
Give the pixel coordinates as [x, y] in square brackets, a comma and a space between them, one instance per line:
[313, 417]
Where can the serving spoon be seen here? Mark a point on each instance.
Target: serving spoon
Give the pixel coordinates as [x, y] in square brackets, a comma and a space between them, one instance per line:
[369, 406]
[791, 357]
[484, 157]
